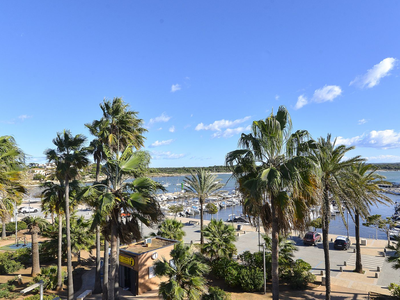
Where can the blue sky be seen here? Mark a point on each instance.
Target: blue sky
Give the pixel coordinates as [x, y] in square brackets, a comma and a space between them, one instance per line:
[199, 72]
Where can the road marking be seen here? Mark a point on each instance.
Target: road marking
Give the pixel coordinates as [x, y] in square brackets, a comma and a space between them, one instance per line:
[368, 261]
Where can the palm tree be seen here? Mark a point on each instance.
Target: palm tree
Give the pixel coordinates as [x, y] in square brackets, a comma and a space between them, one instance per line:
[69, 157]
[221, 238]
[365, 191]
[202, 184]
[276, 180]
[12, 161]
[334, 172]
[116, 195]
[35, 225]
[171, 229]
[116, 130]
[185, 274]
[123, 127]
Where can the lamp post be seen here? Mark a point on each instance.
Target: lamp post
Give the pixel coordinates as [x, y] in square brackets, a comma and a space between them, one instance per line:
[265, 273]
[347, 210]
[16, 223]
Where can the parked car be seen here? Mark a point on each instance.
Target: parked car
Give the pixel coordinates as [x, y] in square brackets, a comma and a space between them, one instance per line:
[342, 243]
[27, 210]
[312, 238]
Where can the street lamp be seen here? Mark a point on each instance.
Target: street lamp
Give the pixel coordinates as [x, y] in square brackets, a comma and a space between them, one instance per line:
[265, 273]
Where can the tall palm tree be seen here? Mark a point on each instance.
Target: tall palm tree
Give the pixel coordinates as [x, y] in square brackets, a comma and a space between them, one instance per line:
[53, 202]
[203, 184]
[12, 161]
[221, 238]
[35, 225]
[69, 156]
[116, 195]
[334, 172]
[185, 276]
[276, 181]
[171, 229]
[365, 192]
[118, 129]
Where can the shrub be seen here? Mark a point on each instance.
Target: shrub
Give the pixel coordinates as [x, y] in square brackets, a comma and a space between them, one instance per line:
[250, 279]
[394, 290]
[215, 293]
[8, 264]
[301, 274]
[23, 255]
[49, 277]
[6, 291]
[231, 275]
[220, 266]
[37, 297]
[11, 226]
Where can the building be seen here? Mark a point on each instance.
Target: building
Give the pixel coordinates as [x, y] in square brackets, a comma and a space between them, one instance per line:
[136, 271]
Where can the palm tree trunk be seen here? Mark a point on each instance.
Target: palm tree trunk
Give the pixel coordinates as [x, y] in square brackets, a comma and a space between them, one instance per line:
[105, 270]
[358, 248]
[35, 253]
[69, 252]
[116, 289]
[113, 261]
[97, 282]
[201, 220]
[274, 252]
[325, 243]
[3, 232]
[59, 255]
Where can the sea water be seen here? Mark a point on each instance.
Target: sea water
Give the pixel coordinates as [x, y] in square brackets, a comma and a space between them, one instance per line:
[337, 225]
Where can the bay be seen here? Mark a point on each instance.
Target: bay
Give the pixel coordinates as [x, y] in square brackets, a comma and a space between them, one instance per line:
[337, 226]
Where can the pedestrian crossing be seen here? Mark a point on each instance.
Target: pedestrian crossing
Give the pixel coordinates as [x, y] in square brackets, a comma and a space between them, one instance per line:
[368, 261]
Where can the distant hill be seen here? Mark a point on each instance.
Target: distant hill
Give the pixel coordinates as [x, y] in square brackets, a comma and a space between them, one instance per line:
[187, 170]
[388, 166]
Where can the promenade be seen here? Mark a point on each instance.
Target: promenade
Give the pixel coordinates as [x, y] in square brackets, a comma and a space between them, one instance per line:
[345, 284]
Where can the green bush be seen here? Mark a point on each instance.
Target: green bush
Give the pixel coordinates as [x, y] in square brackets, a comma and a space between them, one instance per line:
[250, 279]
[215, 293]
[11, 226]
[37, 297]
[232, 275]
[6, 291]
[301, 275]
[394, 290]
[23, 255]
[219, 266]
[49, 277]
[8, 264]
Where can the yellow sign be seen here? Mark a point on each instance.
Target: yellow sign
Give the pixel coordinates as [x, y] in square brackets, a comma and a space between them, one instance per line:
[127, 260]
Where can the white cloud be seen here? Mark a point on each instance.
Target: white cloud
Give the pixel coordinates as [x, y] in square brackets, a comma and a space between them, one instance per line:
[277, 97]
[162, 118]
[384, 139]
[384, 158]
[230, 132]
[166, 155]
[219, 125]
[362, 121]
[375, 74]
[327, 93]
[172, 129]
[175, 87]
[24, 117]
[301, 101]
[161, 143]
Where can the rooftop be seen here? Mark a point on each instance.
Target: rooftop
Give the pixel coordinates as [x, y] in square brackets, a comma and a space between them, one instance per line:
[156, 243]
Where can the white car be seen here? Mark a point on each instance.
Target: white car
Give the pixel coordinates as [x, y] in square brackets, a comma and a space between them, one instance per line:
[27, 210]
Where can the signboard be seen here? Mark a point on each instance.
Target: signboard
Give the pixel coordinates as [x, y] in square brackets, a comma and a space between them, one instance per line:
[130, 261]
